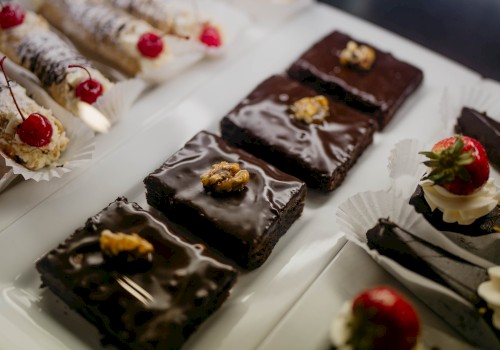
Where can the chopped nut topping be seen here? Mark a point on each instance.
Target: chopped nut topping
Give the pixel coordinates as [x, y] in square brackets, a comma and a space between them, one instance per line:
[360, 56]
[225, 177]
[113, 244]
[311, 109]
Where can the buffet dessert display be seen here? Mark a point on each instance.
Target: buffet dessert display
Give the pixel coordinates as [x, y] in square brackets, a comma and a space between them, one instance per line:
[218, 207]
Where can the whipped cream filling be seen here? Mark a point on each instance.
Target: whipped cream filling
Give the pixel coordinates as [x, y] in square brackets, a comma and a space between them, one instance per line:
[490, 292]
[340, 330]
[463, 209]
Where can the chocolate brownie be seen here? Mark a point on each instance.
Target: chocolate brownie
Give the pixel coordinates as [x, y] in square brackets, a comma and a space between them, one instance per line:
[378, 91]
[150, 302]
[481, 226]
[244, 225]
[484, 129]
[318, 153]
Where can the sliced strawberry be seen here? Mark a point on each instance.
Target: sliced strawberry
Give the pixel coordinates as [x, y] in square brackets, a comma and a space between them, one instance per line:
[459, 164]
[383, 319]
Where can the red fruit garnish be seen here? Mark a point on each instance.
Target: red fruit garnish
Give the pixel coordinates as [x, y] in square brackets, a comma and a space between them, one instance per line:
[459, 164]
[36, 130]
[88, 90]
[210, 36]
[150, 45]
[383, 319]
[11, 15]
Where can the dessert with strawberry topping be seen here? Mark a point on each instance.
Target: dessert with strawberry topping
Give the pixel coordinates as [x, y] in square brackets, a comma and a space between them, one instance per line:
[131, 44]
[34, 46]
[457, 193]
[378, 318]
[29, 133]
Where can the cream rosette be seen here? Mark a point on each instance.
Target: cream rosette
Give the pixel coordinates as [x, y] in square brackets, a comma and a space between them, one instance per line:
[362, 211]
[271, 10]
[79, 150]
[406, 171]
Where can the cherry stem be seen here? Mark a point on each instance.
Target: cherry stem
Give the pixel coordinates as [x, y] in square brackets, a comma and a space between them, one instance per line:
[10, 88]
[82, 67]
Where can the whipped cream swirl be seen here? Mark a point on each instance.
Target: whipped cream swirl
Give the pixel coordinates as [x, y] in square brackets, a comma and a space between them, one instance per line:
[463, 209]
[490, 292]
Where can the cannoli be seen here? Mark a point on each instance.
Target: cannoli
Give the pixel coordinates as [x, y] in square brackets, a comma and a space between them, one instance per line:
[29, 133]
[173, 17]
[131, 44]
[32, 45]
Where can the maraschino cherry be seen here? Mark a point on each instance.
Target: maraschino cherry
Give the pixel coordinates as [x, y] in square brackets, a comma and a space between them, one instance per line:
[88, 90]
[35, 130]
[150, 45]
[210, 36]
[11, 15]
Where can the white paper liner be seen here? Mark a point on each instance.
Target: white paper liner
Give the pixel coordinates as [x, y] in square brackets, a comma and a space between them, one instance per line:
[362, 211]
[118, 100]
[6, 174]
[271, 10]
[405, 166]
[482, 97]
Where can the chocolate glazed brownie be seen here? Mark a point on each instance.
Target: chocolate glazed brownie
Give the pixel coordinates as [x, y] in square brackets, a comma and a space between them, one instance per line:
[378, 91]
[484, 129]
[244, 225]
[150, 302]
[318, 153]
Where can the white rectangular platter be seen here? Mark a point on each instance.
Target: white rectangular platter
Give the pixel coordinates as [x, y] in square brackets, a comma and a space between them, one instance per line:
[35, 217]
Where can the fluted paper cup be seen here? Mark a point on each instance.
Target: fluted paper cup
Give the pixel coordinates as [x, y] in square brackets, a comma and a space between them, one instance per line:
[361, 212]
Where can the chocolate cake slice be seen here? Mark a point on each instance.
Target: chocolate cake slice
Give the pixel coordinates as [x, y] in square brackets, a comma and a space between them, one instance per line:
[319, 153]
[150, 301]
[427, 260]
[378, 91]
[484, 129]
[244, 224]
[484, 225]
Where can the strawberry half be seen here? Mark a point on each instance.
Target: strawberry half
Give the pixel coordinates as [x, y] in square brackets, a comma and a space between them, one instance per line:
[459, 164]
[383, 319]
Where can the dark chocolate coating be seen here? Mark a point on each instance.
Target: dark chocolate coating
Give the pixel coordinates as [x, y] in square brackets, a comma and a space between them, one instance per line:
[243, 225]
[481, 226]
[427, 260]
[319, 154]
[484, 129]
[152, 305]
[48, 56]
[379, 91]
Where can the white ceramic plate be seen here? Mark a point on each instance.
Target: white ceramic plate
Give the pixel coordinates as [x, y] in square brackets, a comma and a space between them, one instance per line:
[34, 218]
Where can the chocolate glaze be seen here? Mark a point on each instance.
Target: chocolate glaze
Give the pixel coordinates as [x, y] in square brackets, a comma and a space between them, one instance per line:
[243, 225]
[181, 286]
[484, 129]
[379, 91]
[46, 55]
[427, 260]
[481, 226]
[319, 154]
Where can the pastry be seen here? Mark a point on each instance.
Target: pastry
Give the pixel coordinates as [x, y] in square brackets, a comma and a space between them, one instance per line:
[362, 76]
[135, 280]
[29, 133]
[271, 123]
[202, 187]
[378, 318]
[173, 17]
[32, 45]
[127, 42]
[457, 193]
[483, 128]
